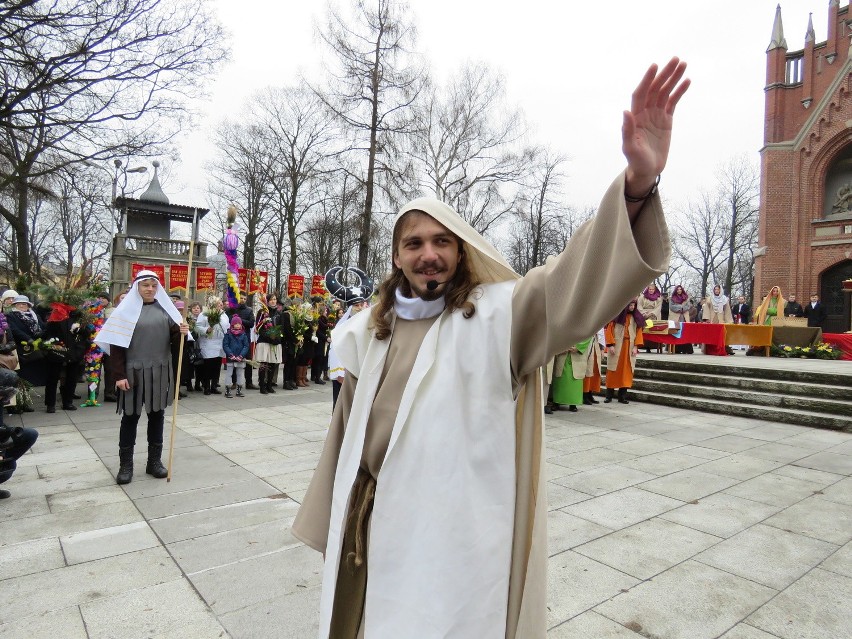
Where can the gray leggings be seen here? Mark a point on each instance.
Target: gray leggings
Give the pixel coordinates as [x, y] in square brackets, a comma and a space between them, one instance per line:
[240, 368]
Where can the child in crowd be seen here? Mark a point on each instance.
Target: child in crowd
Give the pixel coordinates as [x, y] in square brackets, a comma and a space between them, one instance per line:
[236, 347]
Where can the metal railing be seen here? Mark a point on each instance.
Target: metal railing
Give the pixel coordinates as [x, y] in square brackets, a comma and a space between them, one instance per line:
[150, 246]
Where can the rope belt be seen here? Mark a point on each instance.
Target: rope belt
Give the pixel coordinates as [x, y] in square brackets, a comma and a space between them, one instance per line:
[363, 493]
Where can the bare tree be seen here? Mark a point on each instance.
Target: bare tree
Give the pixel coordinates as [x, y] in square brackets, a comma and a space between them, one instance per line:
[91, 80]
[540, 220]
[298, 132]
[80, 218]
[372, 87]
[701, 239]
[739, 184]
[466, 141]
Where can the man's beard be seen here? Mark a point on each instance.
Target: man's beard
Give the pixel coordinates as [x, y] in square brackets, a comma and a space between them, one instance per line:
[431, 296]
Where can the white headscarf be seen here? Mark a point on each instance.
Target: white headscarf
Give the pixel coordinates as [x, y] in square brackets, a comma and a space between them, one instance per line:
[118, 329]
[719, 300]
[485, 261]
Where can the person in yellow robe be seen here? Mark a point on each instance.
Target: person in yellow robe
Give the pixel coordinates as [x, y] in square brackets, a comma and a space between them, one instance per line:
[623, 339]
[771, 306]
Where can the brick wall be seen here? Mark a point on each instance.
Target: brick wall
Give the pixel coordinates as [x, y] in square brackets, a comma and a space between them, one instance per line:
[793, 173]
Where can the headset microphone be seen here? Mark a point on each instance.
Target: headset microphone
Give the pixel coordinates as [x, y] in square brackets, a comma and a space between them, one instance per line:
[431, 285]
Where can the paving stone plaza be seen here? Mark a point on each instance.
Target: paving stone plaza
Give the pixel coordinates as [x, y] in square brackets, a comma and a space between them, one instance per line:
[663, 523]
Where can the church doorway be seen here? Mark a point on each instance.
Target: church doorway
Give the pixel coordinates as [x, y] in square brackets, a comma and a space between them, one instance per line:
[837, 303]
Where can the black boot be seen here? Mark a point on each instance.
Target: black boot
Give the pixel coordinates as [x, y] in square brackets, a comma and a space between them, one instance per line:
[592, 398]
[622, 396]
[125, 465]
[261, 379]
[609, 394]
[155, 465]
[587, 399]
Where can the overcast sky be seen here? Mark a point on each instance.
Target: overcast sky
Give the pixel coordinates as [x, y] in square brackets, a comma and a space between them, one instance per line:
[570, 66]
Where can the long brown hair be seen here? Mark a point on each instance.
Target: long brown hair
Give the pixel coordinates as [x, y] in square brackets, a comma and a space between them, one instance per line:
[459, 291]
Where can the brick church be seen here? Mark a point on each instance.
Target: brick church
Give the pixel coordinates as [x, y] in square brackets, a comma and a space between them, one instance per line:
[805, 238]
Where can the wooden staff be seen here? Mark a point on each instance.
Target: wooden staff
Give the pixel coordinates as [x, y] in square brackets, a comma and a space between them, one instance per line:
[180, 348]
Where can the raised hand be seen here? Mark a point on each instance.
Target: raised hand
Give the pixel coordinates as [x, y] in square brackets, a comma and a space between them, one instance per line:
[647, 129]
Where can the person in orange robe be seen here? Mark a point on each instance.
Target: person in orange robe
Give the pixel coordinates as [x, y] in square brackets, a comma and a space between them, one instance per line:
[623, 339]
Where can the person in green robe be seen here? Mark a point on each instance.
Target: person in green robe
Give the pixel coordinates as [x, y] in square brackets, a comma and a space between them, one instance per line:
[568, 374]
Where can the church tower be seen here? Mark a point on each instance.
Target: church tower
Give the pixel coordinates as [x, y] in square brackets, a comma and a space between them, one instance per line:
[805, 236]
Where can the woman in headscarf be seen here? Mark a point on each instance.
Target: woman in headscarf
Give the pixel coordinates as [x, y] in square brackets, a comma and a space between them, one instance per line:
[679, 305]
[139, 336]
[771, 306]
[623, 339]
[650, 304]
[717, 308]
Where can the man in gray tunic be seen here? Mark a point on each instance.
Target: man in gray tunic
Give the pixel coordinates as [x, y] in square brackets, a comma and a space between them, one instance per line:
[139, 336]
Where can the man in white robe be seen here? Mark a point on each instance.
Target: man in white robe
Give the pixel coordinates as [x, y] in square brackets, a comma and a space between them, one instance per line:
[431, 476]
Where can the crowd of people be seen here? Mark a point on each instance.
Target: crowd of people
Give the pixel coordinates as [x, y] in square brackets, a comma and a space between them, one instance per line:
[573, 376]
[46, 341]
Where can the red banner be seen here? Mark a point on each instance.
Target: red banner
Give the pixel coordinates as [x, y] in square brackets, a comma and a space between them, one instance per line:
[205, 279]
[158, 269]
[318, 285]
[295, 285]
[257, 282]
[178, 277]
[134, 270]
[244, 278]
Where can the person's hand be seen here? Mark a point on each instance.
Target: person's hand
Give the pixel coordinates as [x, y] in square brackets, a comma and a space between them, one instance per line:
[635, 351]
[184, 328]
[647, 130]
[612, 350]
[123, 385]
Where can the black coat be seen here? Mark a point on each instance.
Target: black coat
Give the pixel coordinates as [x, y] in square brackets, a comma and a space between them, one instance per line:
[816, 314]
[743, 311]
[21, 330]
[793, 309]
[76, 338]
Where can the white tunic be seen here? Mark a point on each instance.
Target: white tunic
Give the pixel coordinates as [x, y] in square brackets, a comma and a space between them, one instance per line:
[435, 448]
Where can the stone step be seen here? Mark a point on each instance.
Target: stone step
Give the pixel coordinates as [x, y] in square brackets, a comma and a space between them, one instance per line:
[758, 372]
[781, 415]
[810, 403]
[781, 387]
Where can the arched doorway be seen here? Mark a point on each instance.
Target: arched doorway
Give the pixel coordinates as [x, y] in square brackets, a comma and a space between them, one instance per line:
[837, 303]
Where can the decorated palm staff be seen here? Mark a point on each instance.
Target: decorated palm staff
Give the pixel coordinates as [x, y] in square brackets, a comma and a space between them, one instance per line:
[355, 297]
[230, 243]
[138, 338]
